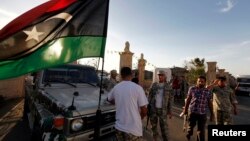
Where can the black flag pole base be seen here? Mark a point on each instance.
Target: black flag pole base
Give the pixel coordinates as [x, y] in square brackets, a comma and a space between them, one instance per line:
[98, 125]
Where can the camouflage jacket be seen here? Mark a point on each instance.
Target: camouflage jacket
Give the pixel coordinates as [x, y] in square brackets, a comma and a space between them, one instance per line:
[111, 83]
[167, 97]
[223, 98]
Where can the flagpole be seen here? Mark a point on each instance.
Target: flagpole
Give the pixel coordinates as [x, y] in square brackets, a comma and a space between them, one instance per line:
[98, 111]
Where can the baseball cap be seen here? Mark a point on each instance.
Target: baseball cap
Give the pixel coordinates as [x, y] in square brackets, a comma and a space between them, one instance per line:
[161, 72]
[222, 78]
[113, 72]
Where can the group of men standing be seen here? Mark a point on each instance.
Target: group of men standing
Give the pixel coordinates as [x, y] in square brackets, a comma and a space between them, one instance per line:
[132, 105]
[218, 98]
[180, 87]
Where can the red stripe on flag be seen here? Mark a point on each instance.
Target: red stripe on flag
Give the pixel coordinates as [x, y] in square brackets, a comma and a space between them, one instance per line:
[61, 4]
[31, 15]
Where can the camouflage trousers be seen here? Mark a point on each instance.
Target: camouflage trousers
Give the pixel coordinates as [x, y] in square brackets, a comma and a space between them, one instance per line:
[222, 117]
[123, 136]
[154, 117]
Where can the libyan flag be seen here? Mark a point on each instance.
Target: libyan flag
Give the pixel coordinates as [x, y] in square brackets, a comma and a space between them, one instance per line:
[53, 33]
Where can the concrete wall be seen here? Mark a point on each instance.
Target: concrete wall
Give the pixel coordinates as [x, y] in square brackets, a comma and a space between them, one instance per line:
[12, 88]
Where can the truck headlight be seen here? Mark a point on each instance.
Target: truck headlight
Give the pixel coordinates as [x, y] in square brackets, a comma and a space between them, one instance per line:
[76, 124]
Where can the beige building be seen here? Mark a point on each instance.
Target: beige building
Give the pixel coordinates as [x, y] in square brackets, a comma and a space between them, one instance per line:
[126, 57]
[12, 88]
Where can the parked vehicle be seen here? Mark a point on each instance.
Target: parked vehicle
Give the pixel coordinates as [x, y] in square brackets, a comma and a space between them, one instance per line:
[243, 85]
[61, 104]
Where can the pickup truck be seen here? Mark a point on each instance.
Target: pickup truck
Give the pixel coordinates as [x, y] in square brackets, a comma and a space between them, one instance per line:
[61, 104]
[243, 85]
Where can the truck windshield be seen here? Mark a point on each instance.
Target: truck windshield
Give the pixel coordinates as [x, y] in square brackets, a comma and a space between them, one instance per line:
[243, 80]
[70, 75]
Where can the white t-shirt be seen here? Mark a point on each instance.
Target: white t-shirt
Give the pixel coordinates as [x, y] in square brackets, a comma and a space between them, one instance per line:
[129, 97]
[159, 96]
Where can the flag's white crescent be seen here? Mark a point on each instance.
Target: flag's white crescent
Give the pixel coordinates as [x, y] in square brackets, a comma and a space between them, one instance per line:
[64, 16]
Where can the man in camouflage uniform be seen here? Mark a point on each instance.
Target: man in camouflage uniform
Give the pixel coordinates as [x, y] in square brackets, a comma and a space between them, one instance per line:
[160, 100]
[223, 101]
[112, 81]
[122, 136]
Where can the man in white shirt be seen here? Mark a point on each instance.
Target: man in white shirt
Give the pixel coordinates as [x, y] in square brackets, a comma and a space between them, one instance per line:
[131, 107]
[160, 103]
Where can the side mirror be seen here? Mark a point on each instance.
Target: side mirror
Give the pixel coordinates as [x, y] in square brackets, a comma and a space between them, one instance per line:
[76, 93]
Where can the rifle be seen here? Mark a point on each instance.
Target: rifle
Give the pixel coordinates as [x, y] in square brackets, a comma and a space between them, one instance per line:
[151, 95]
[185, 123]
[148, 114]
[149, 111]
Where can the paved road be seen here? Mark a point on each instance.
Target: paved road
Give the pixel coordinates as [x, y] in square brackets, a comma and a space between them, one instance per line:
[12, 128]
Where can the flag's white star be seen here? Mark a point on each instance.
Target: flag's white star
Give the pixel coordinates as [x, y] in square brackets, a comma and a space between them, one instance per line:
[33, 34]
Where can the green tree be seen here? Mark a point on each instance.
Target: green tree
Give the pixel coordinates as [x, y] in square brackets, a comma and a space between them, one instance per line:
[198, 63]
[196, 68]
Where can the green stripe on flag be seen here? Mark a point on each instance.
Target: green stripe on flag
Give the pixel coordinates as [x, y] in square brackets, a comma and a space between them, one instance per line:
[63, 50]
